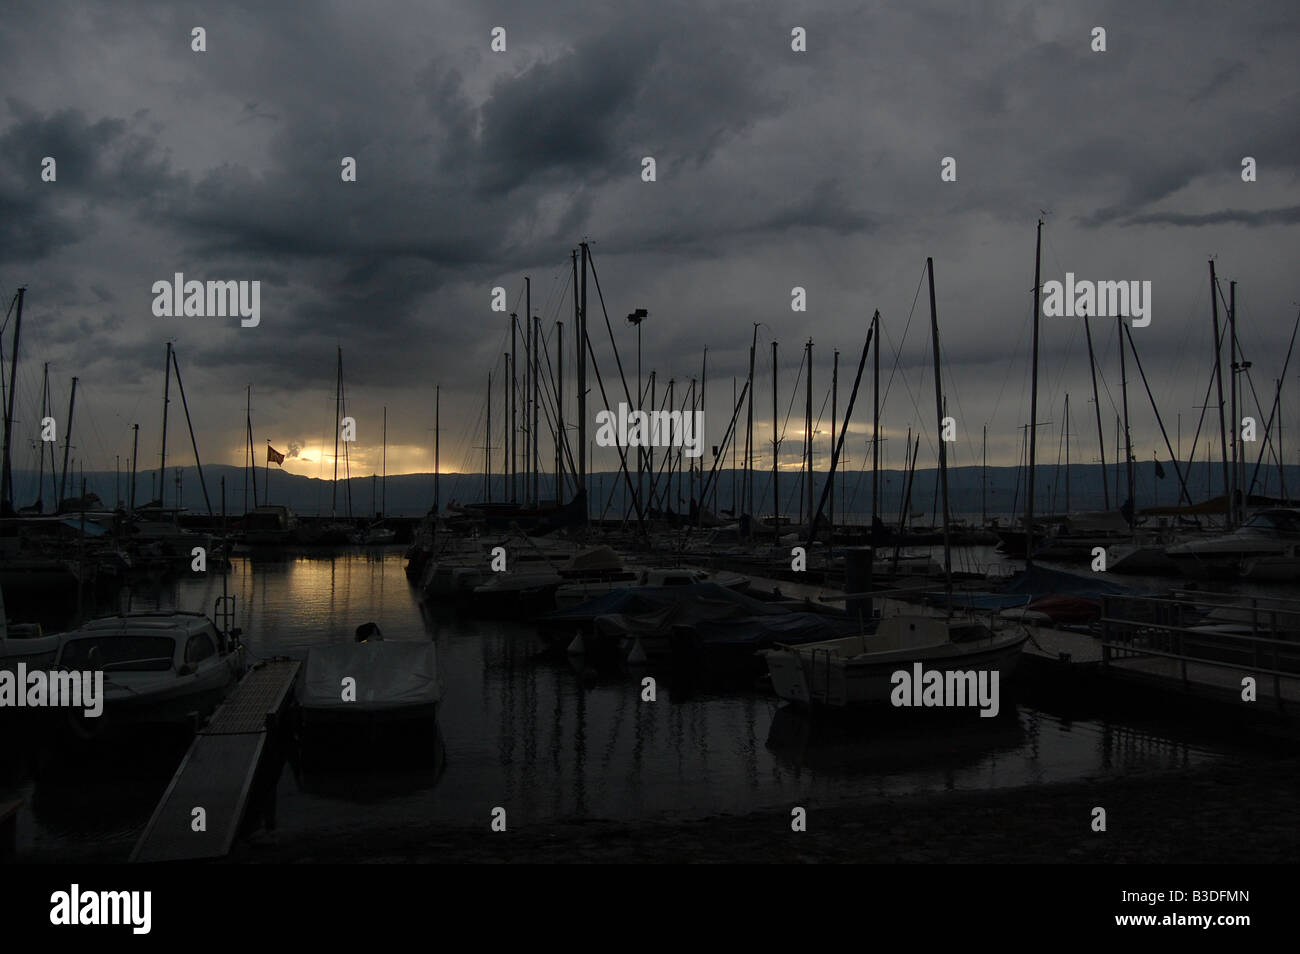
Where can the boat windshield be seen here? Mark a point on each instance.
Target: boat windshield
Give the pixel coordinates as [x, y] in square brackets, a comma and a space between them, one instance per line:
[119, 653]
[1285, 521]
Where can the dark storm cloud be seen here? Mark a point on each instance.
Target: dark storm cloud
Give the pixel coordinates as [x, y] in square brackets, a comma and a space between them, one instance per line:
[97, 162]
[1287, 216]
[775, 169]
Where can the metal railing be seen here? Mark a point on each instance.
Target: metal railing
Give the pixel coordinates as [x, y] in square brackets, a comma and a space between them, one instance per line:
[1183, 630]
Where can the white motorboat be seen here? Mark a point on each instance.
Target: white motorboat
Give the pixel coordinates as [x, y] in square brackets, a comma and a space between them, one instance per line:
[1265, 547]
[369, 681]
[168, 667]
[859, 670]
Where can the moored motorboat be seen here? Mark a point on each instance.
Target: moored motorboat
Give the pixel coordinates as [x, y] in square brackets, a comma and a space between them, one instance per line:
[360, 701]
[159, 668]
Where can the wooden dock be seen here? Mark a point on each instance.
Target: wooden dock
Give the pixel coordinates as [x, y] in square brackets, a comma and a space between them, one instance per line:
[217, 772]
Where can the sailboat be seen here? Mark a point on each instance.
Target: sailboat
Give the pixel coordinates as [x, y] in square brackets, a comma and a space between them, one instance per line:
[377, 535]
[862, 670]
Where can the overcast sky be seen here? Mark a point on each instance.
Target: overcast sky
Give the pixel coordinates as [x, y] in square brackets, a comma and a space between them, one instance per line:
[775, 169]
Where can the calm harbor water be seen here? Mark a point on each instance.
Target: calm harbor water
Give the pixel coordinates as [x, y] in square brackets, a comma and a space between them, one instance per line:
[536, 735]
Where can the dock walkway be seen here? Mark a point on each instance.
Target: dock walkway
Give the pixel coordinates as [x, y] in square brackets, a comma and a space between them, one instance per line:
[217, 772]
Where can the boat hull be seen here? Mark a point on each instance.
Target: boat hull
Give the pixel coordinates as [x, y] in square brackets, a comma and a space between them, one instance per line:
[808, 677]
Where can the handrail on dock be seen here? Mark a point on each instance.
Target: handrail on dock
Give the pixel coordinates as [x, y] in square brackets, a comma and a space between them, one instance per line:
[1125, 634]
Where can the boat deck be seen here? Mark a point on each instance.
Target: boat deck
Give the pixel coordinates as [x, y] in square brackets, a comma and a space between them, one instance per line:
[217, 771]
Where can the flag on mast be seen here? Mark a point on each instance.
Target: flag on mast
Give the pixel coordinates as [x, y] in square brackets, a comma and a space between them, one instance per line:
[273, 456]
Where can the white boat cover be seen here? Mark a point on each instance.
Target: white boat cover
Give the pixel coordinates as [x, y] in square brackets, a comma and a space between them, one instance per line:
[388, 675]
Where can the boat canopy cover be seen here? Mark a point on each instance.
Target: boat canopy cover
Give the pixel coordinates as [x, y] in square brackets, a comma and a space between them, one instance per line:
[1025, 588]
[389, 675]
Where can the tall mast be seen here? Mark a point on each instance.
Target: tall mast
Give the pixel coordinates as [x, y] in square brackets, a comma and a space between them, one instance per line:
[507, 415]
[559, 411]
[338, 422]
[537, 443]
[514, 322]
[1101, 438]
[704, 373]
[734, 449]
[54, 484]
[984, 480]
[650, 452]
[1128, 440]
[749, 430]
[776, 454]
[162, 471]
[437, 448]
[1218, 377]
[135, 449]
[487, 446]
[1033, 408]
[6, 477]
[943, 445]
[835, 393]
[40, 468]
[875, 428]
[807, 430]
[674, 499]
[384, 499]
[581, 337]
[532, 359]
[1236, 498]
[1067, 452]
[67, 442]
[512, 449]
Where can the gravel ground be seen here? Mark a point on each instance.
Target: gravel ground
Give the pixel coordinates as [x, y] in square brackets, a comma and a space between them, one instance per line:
[1240, 811]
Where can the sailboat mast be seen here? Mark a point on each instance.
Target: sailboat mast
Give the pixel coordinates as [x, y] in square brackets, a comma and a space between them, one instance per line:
[1033, 408]
[984, 480]
[338, 422]
[437, 448]
[54, 485]
[1067, 452]
[749, 430]
[1236, 498]
[384, 499]
[581, 336]
[1218, 377]
[1128, 441]
[875, 428]
[40, 468]
[6, 477]
[807, 430]
[1101, 438]
[514, 326]
[162, 471]
[534, 322]
[487, 446]
[135, 449]
[559, 411]
[943, 445]
[776, 453]
[835, 393]
[514, 400]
